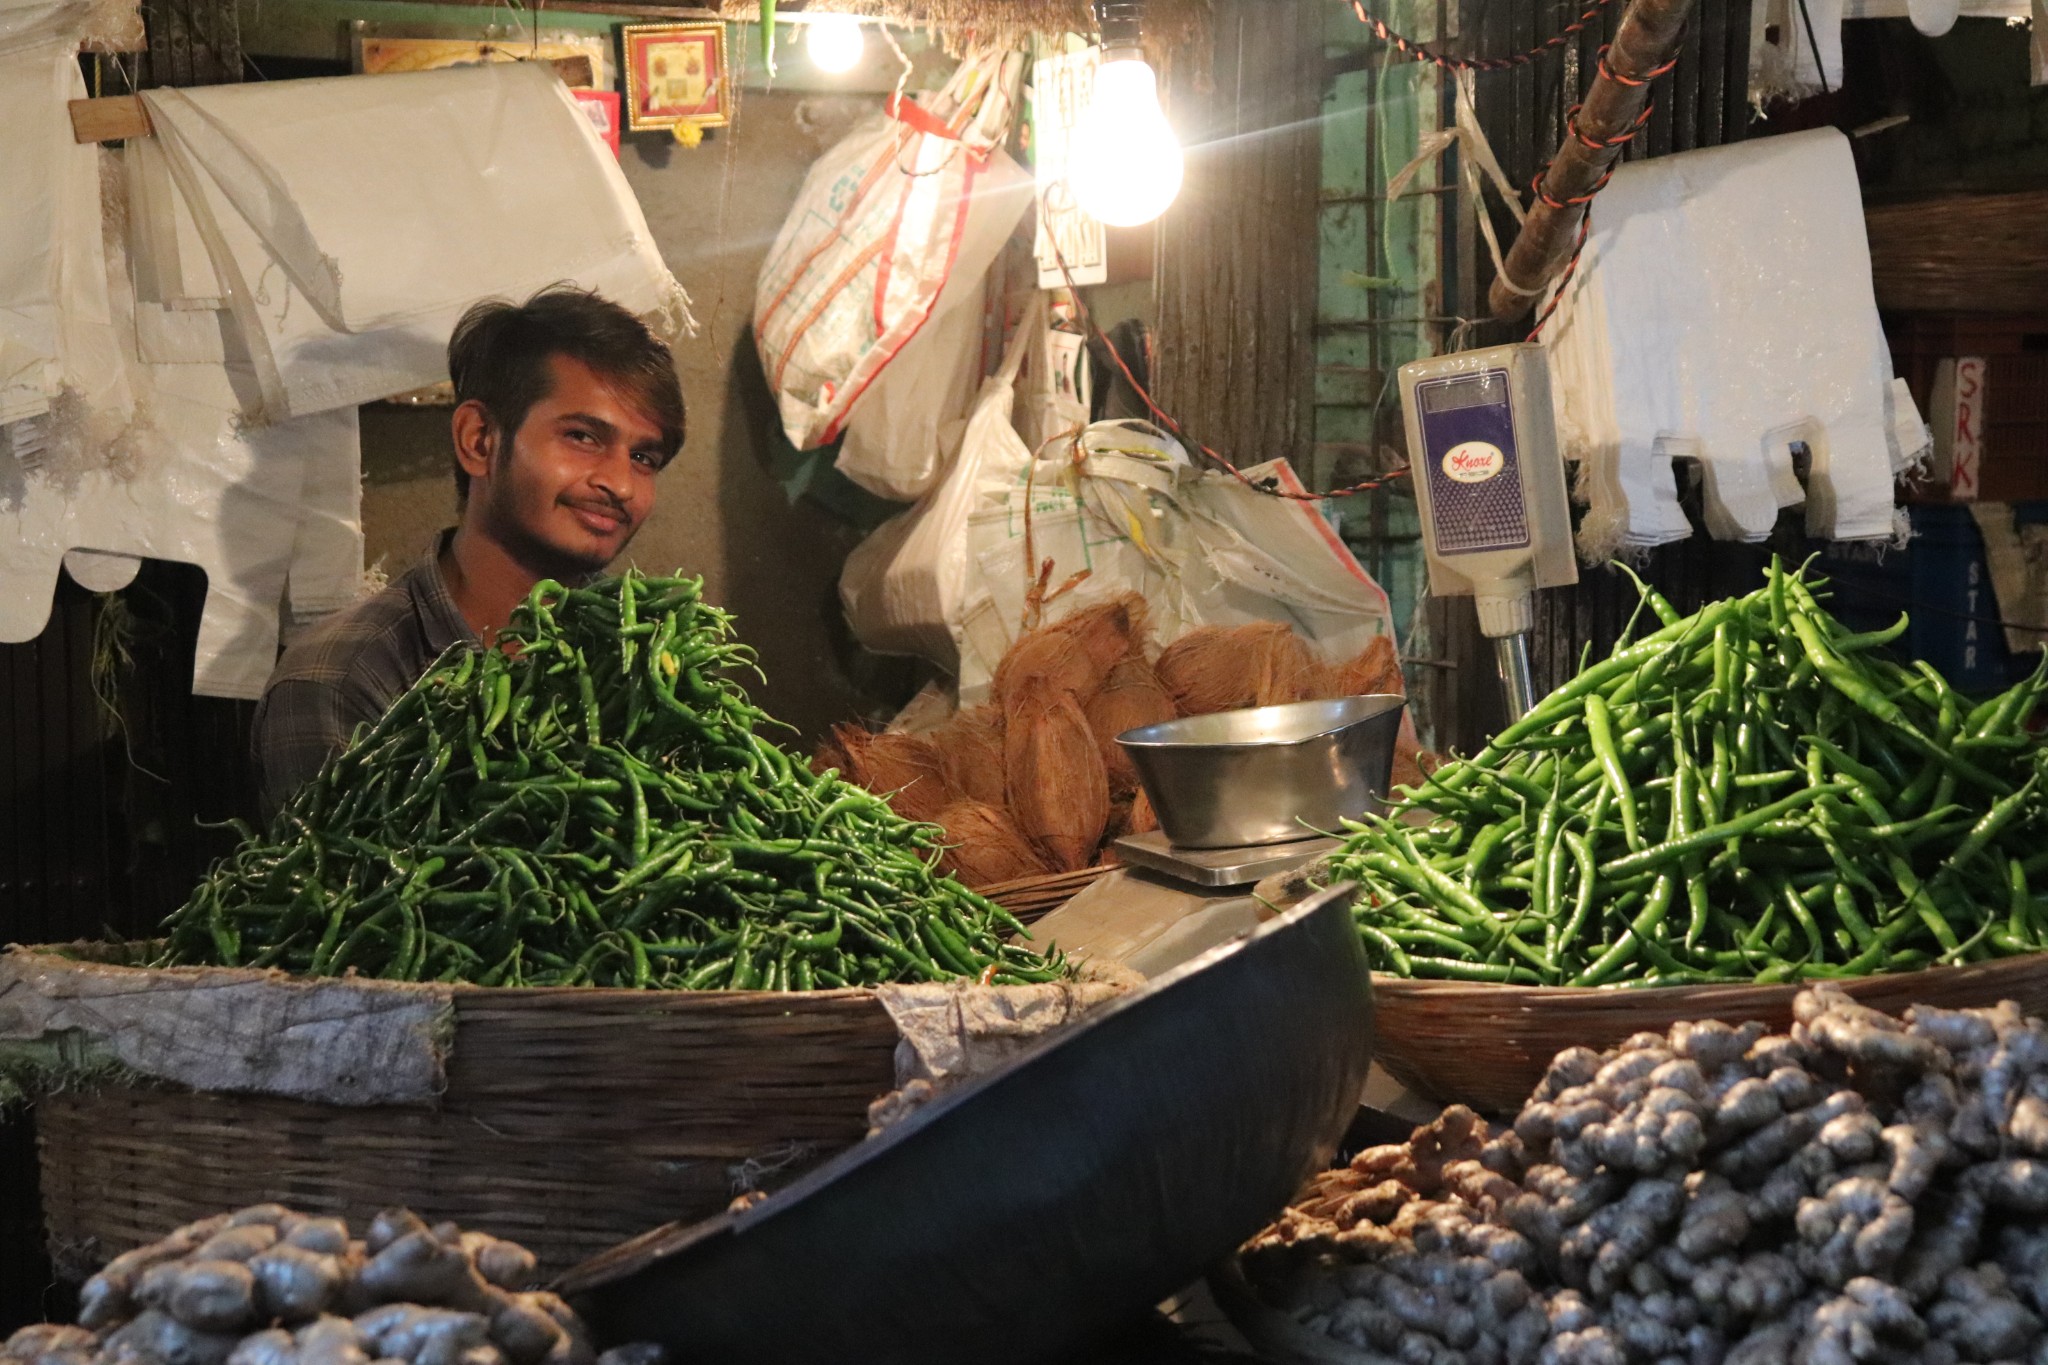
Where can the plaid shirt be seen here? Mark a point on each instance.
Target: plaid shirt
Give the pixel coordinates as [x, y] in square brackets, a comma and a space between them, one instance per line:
[346, 671]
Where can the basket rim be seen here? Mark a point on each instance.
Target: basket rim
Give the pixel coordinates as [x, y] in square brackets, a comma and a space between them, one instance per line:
[1939, 977]
[460, 992]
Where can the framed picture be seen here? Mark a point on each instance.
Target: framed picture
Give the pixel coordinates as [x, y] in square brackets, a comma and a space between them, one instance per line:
[675, 73]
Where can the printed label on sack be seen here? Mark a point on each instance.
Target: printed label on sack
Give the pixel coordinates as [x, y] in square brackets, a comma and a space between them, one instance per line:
[1474, 461]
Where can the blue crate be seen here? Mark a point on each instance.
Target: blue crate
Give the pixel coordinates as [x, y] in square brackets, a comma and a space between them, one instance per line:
[1941, 579]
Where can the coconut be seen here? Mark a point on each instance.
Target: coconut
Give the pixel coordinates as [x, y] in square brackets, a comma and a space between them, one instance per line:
[1073, 654]
[831, 753]
[1286, 670]
[1131, 696]
[1058, 786]
[970, 749]
[985, 846]
[1143, 818]
[1119, 825]
[904, 768]
[1376, 669]
[1129, 813]
[1219, 668]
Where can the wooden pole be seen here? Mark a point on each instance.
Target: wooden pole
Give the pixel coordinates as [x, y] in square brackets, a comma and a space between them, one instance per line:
[1648, 38]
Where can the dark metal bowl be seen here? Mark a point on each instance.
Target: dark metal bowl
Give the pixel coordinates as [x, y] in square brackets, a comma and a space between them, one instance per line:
[1040, 1206]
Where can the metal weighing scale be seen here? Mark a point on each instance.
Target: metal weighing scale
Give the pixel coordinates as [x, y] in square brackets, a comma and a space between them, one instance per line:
[1241, 794]
[1496, 522]
[1215, 868]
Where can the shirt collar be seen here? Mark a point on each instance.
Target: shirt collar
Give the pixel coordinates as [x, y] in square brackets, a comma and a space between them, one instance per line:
[442, 619]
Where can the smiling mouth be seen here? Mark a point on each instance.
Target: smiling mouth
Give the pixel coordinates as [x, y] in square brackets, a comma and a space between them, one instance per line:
[601, 521]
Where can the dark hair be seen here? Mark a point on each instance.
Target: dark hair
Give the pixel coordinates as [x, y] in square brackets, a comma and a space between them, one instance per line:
[499, 354]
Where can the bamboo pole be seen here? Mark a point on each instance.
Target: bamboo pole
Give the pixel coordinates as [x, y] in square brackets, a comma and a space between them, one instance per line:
[1647, 39]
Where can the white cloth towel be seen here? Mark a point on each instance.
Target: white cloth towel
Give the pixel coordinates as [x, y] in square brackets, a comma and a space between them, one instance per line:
[1723, 311]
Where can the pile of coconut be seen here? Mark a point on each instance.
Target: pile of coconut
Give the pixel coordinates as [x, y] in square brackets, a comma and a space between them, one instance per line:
[1034, 782]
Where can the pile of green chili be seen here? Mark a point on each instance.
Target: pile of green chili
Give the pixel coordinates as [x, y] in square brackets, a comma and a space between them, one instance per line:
[591, 804]
[1752, 793]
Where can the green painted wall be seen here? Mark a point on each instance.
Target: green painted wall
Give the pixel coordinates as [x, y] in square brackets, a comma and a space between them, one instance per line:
[319, 30]
[1380, 282]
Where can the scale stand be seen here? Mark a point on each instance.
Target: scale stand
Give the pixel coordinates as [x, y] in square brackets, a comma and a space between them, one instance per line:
[1496, 521]
[1215, 868]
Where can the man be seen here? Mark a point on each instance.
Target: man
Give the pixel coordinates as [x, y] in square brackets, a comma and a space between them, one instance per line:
[567, 407]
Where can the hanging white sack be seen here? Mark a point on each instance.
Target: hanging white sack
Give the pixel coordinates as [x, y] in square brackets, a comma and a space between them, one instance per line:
[898, 433]
[876, 233]
[901, 587]
[180, 313]
[350, 222]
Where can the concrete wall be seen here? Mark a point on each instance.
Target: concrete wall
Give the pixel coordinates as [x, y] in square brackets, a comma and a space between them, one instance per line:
[721, 512]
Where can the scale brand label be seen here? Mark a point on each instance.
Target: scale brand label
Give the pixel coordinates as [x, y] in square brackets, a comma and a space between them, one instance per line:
[1474, 461]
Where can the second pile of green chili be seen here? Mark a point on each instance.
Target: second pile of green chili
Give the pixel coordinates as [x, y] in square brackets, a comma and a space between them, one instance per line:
[1747, 794]
[590, 804]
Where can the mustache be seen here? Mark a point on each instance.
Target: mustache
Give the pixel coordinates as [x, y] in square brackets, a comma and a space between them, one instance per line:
[606, 505]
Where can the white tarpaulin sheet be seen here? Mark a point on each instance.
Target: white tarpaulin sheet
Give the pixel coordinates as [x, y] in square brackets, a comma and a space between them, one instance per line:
[350, 222]
[1722, 311]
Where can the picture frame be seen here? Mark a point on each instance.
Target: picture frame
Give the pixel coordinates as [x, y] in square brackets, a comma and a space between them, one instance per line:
[675, 74]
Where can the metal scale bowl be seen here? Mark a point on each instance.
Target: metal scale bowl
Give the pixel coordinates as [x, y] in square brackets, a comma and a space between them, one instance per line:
[1241, 795]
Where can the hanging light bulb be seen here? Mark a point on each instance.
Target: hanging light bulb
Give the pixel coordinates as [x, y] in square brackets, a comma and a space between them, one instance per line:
[834, 42]
[1125, 163]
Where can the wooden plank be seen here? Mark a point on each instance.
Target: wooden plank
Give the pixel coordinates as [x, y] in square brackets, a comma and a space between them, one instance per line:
[112, 118]
[575, 71]
[1961, 253]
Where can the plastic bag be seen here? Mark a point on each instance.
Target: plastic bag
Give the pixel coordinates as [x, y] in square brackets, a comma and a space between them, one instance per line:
[877, 231]
[1135, 516]
[898, 431]
[955, 579]
[902, 586]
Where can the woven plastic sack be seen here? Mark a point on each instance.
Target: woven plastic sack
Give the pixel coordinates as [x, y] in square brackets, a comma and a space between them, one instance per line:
[876, 232]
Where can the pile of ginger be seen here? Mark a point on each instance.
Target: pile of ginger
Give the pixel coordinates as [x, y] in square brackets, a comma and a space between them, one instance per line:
[1862, 1189]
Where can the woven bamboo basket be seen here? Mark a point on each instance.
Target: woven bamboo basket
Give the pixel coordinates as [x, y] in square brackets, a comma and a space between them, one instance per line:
[1487, 1046]
[572, 1120]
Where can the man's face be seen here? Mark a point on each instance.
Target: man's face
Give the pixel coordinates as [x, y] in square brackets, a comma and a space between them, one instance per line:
[578, 479]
